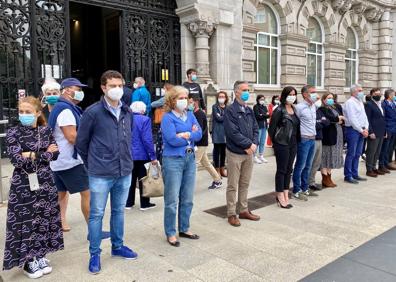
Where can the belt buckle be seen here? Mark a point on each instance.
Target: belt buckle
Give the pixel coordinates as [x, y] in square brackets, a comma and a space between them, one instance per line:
[189, 150]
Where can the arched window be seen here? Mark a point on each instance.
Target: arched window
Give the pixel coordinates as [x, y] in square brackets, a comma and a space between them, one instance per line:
[351, 59]
[315, 53]
[267, 46]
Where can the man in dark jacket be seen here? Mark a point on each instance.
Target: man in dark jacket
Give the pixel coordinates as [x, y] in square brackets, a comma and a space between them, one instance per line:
[103, 142]
[377, 132]
[201, 156]
[241, 131]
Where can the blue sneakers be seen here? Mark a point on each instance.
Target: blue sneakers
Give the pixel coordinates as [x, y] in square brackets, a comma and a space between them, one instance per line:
[124, 252]
[94, 264]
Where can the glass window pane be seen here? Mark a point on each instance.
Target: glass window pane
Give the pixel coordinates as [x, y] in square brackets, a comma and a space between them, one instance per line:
[314, 32]
[274, 41]
[353, 72]
[353, 54]
[348, 54]
[266, 20]
[319, 48]
[263, 40]
[350, 39]
[311, 70]
[312, 47]
[348, 73]
[274, 66]
[319, 71]
[264, 66]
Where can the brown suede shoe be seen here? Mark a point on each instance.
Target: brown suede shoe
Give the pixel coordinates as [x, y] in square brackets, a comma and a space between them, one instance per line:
[379, 172]
[391, 166]
[234, 221]
[384, 170]
[249, 215]
[371, 174]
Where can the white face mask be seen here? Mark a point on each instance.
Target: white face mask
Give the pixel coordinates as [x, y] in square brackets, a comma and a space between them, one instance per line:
[115, 94]
[135, 85]
[277, 102]
[181, 105]
[262, 102]
[221, 100]
[318, 103]
[291, 99]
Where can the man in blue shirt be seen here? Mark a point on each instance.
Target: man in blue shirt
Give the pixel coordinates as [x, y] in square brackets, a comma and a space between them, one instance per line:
[103, 142]
[142, 94]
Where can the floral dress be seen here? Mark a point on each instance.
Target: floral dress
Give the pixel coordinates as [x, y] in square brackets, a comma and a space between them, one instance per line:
[33, 217]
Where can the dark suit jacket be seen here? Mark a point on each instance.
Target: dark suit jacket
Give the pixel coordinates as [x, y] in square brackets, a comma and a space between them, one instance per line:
[377, 122]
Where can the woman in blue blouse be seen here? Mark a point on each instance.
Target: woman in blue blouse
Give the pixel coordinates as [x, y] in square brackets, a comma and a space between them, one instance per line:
[180, 130]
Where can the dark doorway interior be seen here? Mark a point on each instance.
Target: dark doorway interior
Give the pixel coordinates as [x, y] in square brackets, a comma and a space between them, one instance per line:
[95, 46]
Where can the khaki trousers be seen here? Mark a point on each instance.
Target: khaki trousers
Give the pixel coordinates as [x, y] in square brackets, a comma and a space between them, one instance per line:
[240, 168]
[202, 157]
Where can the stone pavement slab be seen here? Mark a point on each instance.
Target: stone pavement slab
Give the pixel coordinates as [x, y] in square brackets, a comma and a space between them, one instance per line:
[285, 245]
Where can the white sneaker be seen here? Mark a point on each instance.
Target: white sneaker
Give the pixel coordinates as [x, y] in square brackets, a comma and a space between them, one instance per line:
[263, 159]
[32, 270]
[44, 266]
[257, 160]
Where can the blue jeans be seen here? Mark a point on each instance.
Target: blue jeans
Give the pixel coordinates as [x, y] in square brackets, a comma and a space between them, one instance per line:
[354, 150]
[179, 181]
[262, 137]
[302, 168]
[387, 150]
[100, 188]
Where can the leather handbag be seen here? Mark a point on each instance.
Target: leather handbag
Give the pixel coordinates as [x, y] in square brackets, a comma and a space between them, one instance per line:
[153, 184]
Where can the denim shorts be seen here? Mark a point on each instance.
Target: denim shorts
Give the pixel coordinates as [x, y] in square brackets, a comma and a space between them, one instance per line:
[73, 180]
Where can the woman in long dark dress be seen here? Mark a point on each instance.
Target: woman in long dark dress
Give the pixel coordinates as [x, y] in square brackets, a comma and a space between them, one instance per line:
[33, 216]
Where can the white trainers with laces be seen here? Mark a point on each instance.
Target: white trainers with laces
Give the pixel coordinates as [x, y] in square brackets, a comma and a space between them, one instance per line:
[263, 159]
[44, 266]
[257, 160]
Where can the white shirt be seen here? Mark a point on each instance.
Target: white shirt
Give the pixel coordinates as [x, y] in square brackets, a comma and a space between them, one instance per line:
[66, 150]
[355, 115]
[307, 115]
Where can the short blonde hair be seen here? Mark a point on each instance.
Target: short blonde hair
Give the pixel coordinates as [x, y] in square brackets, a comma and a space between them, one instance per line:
[172, 95]
[138, 107]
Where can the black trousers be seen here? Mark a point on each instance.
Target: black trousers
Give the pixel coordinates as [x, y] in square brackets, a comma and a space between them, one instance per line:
[284, 155]
[139, 171]
[219, 155]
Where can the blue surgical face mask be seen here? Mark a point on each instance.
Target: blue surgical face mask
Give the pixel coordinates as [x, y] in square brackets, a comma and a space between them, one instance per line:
[194, 77]
[360, 95]
[78, 95]
[330, 102]
[313, 97]
[394, 98]
[191, 107]
[27, 119]
[245, 96]
[52, 99]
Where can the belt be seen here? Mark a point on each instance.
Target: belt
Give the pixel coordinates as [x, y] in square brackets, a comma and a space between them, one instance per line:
[308, 137]
[189, 151]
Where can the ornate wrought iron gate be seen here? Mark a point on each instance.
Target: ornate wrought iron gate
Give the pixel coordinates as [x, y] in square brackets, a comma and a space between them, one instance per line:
[35, 44]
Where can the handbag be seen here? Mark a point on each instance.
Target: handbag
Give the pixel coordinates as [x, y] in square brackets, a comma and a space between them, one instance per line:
[153, 184]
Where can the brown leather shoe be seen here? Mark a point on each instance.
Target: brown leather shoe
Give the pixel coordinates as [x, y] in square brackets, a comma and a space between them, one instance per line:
[248, 215]
[234, 221]
[384, 170]
[371, 174]
[391, 166]
[223, 172]
[379, 172]
[326, 181]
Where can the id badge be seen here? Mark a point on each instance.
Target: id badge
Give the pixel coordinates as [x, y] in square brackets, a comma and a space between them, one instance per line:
[33, 182]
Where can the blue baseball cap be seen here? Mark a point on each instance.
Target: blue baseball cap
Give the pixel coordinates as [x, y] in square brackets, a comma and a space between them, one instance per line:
[67, 82]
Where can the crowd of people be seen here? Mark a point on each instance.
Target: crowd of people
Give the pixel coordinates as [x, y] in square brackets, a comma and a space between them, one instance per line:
[102, 152]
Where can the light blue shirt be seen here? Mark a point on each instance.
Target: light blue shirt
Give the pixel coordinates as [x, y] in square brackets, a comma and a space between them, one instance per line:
[355, 114]
[307, 115]
[116, 111]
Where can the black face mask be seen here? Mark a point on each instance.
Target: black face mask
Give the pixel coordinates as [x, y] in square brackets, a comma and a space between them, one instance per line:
[376, 98]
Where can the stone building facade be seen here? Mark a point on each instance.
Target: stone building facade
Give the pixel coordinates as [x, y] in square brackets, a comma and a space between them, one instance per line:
[273, 43]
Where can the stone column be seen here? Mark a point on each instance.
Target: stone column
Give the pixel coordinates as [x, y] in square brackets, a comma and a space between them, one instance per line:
[385, 51]
[368, 72]
[334, 67]
[202, 31]
[293, 59]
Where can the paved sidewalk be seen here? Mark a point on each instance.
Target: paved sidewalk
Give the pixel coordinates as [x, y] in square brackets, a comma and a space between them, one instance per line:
[286, 245]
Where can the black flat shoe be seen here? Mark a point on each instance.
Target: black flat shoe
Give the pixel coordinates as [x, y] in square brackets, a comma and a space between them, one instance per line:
[174, 243]
[188, 236]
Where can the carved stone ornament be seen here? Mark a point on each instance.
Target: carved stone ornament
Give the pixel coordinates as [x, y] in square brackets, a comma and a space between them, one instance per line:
[202, 27]
[374, 14]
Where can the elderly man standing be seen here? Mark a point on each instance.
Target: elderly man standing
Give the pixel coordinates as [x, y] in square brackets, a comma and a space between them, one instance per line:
[357, 125]
[306, 112]
[241, 131]
[141, 93]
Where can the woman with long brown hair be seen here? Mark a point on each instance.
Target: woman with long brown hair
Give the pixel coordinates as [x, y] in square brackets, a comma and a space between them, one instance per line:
[33, 215]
